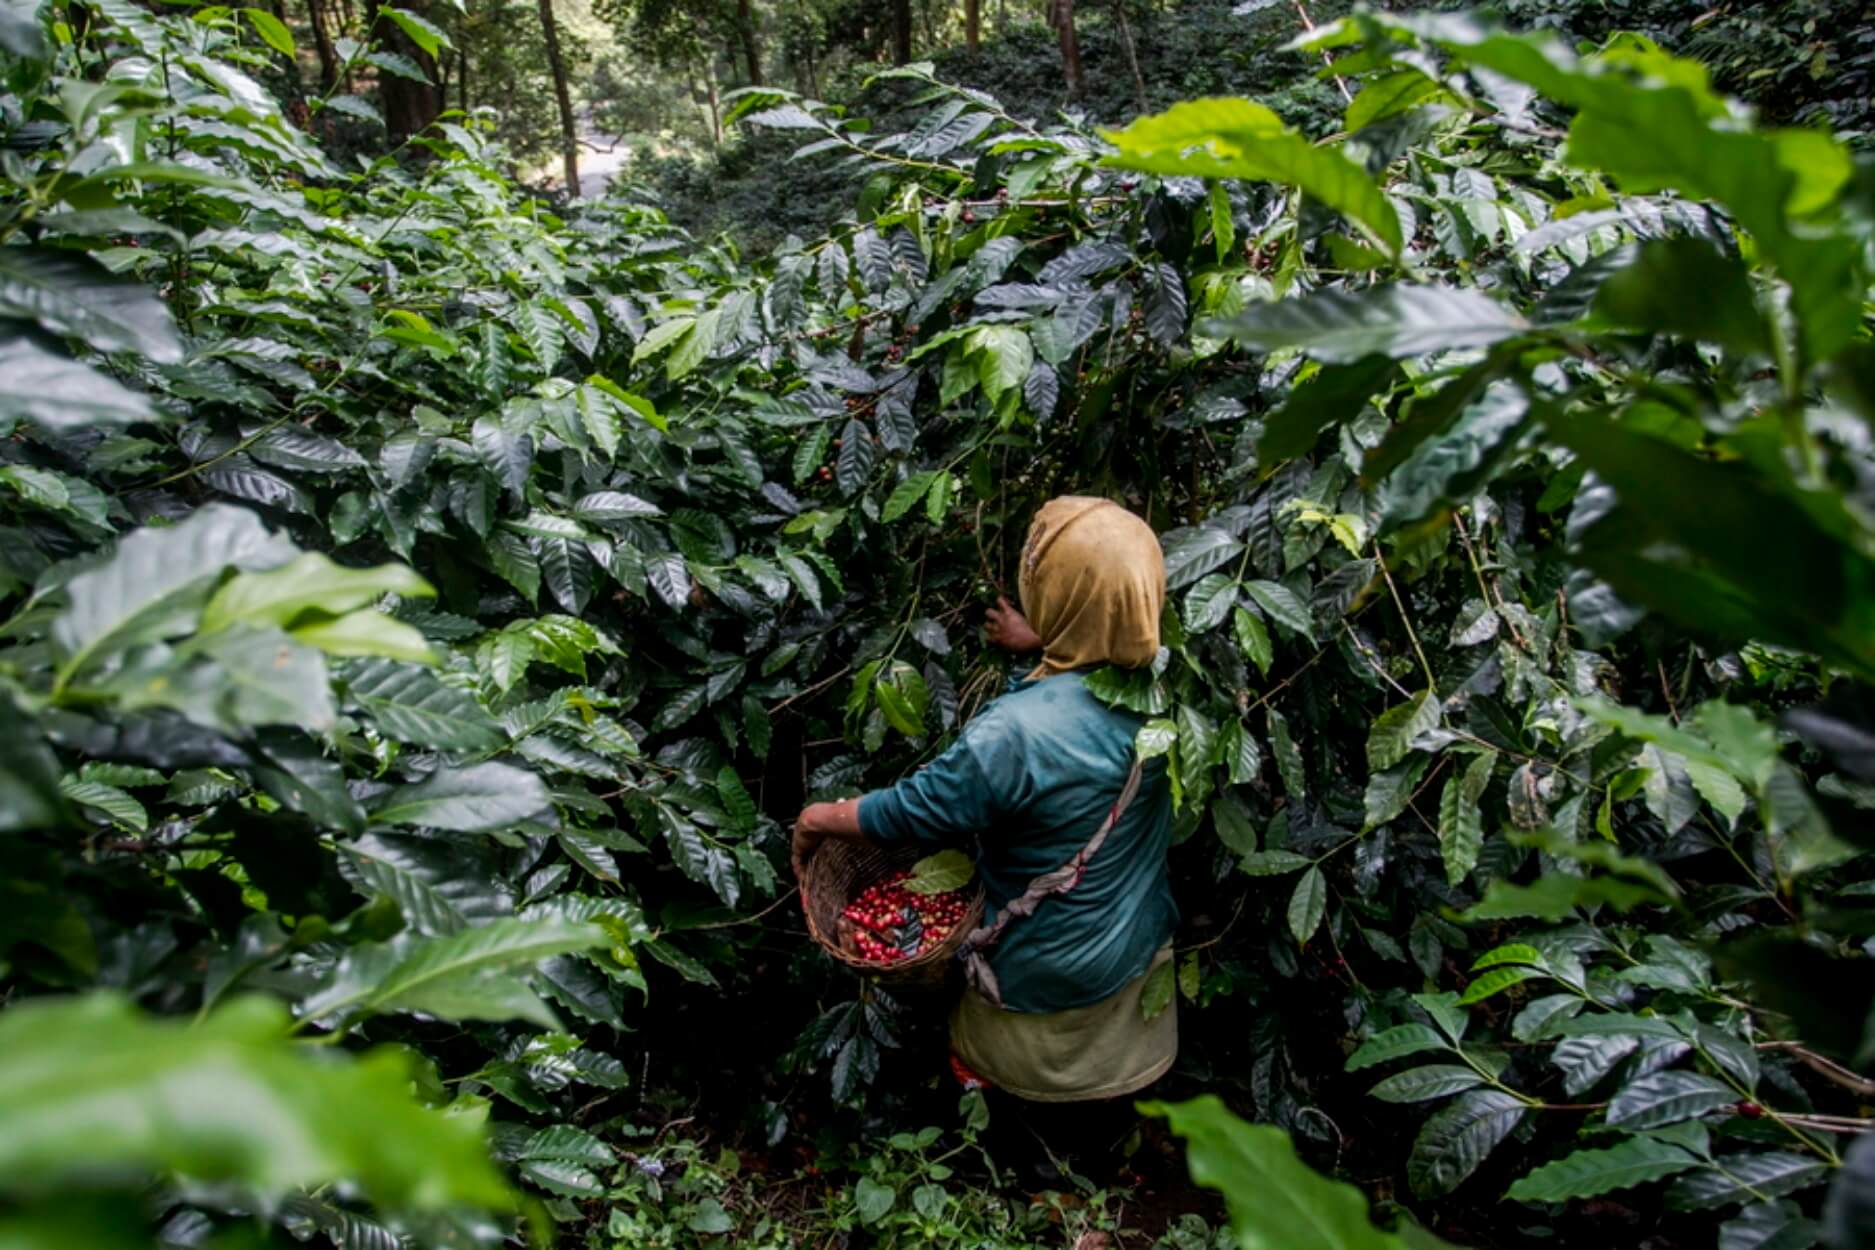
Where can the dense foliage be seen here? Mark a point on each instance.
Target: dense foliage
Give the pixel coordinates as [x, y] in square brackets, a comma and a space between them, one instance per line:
[426, 609]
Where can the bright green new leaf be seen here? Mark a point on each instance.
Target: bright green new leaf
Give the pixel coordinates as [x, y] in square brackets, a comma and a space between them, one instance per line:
[1222, 137]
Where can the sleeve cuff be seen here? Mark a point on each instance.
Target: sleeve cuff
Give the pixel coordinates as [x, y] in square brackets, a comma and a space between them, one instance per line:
[880, 818]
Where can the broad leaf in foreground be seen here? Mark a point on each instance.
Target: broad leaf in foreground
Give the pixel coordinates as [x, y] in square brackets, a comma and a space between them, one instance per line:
[91, 1084]
[1275, 1199]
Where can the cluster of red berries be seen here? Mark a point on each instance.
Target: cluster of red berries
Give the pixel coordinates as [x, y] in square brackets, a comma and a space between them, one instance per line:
[889, 923]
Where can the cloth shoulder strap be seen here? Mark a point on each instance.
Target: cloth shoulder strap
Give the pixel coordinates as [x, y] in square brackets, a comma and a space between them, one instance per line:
[976, 963]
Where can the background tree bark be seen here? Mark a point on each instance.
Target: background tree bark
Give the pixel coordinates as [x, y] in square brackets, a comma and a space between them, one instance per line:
[1062, 16]
[322, 42]
[901, 31]
[569, 128]
[408, 106]
[751, 48]
[973, 22]
[1132, 53]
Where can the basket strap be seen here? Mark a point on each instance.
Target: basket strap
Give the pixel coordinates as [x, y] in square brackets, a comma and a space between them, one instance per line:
[976, 964]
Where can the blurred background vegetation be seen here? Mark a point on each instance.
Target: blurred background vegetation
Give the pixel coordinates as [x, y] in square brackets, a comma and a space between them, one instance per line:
[649, 82]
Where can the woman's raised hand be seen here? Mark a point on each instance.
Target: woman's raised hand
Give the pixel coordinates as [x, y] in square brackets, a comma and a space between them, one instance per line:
[1005, 626]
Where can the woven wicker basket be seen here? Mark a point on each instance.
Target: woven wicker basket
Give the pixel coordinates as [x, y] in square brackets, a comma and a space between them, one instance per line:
[839, 872]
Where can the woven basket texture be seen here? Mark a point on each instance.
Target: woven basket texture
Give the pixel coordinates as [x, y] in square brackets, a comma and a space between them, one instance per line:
[839, 872]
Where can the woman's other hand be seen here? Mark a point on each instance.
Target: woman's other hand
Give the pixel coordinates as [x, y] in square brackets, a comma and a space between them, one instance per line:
[1006, 627]
[820, 821]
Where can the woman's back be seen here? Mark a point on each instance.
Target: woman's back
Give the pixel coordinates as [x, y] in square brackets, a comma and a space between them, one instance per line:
[1033, 776]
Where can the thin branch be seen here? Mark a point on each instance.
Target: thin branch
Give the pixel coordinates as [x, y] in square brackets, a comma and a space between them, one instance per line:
[1828, 1068]
[1303, 13]
[1432, 683]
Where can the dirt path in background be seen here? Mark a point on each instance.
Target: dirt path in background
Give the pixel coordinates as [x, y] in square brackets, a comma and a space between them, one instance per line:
[600, 157]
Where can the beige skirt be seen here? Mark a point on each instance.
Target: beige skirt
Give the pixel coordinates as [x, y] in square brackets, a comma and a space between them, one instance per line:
[1104, 1050]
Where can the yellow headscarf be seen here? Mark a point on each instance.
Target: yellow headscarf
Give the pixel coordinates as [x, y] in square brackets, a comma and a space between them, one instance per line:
[1092, 583]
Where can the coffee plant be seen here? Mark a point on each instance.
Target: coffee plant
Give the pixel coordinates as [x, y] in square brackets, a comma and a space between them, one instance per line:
[428, 606]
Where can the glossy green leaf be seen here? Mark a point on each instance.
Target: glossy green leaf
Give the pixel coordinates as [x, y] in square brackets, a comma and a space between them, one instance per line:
[69, 294]
[1395, 729]
[482, 798]
[412, 705]
[1432, 1081]
[1395, 1043]
[467, 975]
[1458, 1138]
[941, 873]
[1342, 327]
[1667, 1098]
[57, 392]
[1587, 1173]
[1307, 904]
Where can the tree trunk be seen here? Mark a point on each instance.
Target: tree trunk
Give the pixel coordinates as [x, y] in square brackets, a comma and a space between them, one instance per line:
[462, 80]
[1063, 15]
[751, 49]
[716, 108]
[322, 40]
[972, 24]
[1132, 53]
[901, 32]
[569, 128]
[408, 106]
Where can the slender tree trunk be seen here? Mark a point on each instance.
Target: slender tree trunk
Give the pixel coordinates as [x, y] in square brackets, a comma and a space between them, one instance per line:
[569, 128]
[716, 108]
[322, 41]
[972, 23]
[462, 79]
[751, 48]
[901, 32]
[1132, 53]
[408, 106]
[1063, 17]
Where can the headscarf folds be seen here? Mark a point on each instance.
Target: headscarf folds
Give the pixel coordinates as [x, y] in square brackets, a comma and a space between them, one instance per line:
[1092, 584]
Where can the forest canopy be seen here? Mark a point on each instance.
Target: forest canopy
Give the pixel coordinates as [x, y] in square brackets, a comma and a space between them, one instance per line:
[430, 592]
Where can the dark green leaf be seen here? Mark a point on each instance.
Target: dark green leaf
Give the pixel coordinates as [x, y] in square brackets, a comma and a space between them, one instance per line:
[70, 294]
[1586, 1173]
[1342, 327]
[1667, 1098]
[1456, 1140]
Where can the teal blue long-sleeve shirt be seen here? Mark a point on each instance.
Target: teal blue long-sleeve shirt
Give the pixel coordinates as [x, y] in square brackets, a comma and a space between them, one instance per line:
[1031, 778]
